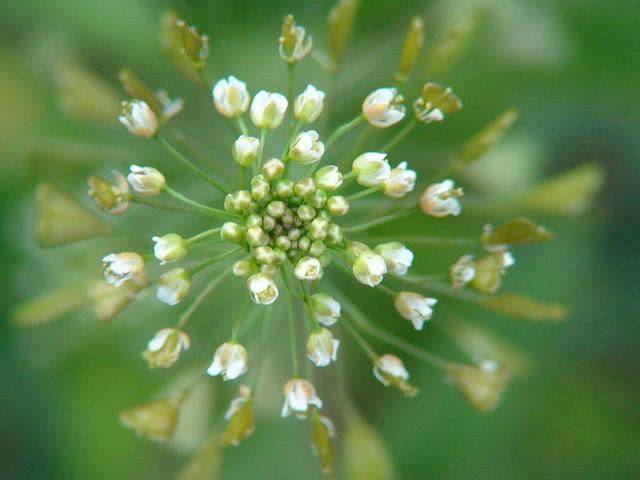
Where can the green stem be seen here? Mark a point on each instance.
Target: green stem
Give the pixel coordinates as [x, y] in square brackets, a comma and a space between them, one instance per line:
[241, 176]
[203, 235]
[198, 268]
[358, 147]
[160, 206]
[215, 212]
[242, 125]
[186, 162]
[257, 165]
[290, 93]
[364, 193]
[368, 349]
[292, 326]
[211, 286]
[379, 221]
[401, 135]
[424, 240]
[235, 330]
[369, 327]
[341, 130]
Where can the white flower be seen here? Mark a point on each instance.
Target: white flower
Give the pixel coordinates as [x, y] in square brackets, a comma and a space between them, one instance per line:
[268, 109]
[325, 309]
[440, 199]
[173, 286]
[383, 107]
[328, 178]
[462, 272]
[263, 289]
[507, 259]
[415, 308]
[322, 348]
[397, 257]
[294, 42]
[307, 148]
[245, 150]
[230, 96]
[170, 106]
[371, 168]
[146, 181]
[299, 396]
[169, 248]
[400, 182]
[230, 361]
[308, 268]
[309, 104]
[165, 347]
[139, 119]
[389, 367]
[121, 267]
[369, 268]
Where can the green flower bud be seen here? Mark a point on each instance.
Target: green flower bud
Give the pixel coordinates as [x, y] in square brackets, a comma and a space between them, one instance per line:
[306, 213]
[317, 248]
[305, 187]
[334, 233]
[173, 286]
[169, 248]
[318, 229]
[283, 242]
[264, 255]
[304, 244]
[232, 232]
[253, 220]
[276, 208]
[317, 199]
[238, 201]
[268, 223]
[245, 150]
[284, 188]
[273, 169]
[328, 178]
[256, 237]
[338, 205]
[260, 188]
[242, 268]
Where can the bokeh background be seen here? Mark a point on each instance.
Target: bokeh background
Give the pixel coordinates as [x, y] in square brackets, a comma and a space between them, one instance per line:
[572, 70]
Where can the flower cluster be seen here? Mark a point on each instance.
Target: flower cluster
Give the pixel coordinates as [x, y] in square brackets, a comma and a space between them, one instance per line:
[289, 222]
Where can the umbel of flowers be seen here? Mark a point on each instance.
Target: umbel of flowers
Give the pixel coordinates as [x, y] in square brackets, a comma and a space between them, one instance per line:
[287, 223]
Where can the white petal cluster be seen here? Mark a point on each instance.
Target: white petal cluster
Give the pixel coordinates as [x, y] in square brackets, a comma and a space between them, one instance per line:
[389, 365]
[322, 348]
[415, 308]
[263, 289]
[441, 199]
[397, 257]
[169, 248]
[122, 267]
[328, 178]
[229, 360]
[299, 396]
[462, 272]
[308, 268]
[139, 118]
[230, 96]
[308, 106]
[147, 181]
[325, 308]
[369, 268]
[173, 286]
[268, 109]
[165, 347]
[400, 182]
[383, 107]
[307, 148]
[371, 168]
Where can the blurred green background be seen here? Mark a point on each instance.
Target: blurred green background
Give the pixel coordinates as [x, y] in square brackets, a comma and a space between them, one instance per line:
[570, 67]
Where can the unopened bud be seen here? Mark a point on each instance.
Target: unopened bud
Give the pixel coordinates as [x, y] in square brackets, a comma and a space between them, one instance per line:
[245, 150]
[139, 118]
[173, 286]
[232, 232]
[273, 169]
[169, 248]
[305, 187]
[306, 149]
[383, 107]
[146, 181]
[230, 97]
[309, 104]
[268, 109]
[338, 205]
[328, 178]
[390, 370]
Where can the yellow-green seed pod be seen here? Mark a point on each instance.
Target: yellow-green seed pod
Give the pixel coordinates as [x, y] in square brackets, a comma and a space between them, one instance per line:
[134, 87]
[452, 44]
[340, 22]
[489, 270]
[413, 44]
[206, 463]
[482, 385]
[323, 433]
[365, 455]
[518, 231]
[520, 306]
[483, 141]
[240, 419]
[49, 306]
[155, 421]
[61, 220]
